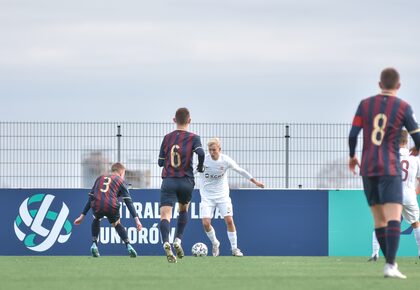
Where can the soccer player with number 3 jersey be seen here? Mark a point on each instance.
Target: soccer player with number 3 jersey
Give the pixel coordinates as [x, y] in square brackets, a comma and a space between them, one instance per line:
[382, 118]
[410, 166]
[176, 158]
[103, 199]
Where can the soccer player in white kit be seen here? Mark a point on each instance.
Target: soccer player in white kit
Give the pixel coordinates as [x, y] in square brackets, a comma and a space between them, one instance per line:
[410, 167]
[214, 193]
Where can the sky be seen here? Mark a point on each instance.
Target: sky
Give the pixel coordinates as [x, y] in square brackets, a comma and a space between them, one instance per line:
[308, 61]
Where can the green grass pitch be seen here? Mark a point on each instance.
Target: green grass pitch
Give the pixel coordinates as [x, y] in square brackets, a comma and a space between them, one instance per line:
[202, 273]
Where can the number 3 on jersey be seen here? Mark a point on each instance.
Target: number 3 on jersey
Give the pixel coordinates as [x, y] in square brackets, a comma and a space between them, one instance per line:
[379, 125]
[175, 156]
[107, 182]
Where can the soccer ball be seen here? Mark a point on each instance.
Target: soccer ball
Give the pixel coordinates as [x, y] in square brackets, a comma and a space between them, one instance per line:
[199, 250]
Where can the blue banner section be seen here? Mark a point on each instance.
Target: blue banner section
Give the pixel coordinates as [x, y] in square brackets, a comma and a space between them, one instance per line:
[268, 222]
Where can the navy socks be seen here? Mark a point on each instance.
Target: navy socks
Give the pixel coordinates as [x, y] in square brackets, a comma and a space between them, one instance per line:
[381, 236]
[182, 223]
[164, 230]
[95, 230]
[122, 233]
[393, 231]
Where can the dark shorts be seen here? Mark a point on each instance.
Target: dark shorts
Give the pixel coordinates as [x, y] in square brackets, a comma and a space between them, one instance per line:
[383, 189]
[112, 217]
[175, 189]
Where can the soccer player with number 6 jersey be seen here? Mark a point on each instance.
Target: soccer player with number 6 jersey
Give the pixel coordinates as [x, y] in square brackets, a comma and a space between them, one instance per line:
[176, 158]
[410, 166]
[382, 118]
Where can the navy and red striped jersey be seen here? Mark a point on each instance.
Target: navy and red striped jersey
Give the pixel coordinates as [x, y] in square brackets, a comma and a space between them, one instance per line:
[105, 193]
[382, 118]
[176, 153]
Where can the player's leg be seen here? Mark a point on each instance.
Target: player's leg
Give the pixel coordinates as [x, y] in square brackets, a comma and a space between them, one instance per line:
[416, 230]
[180, 228]
[411, 214]
[226, 210]
[231, 232]
[371, 189]
[390, 190]
[207, 210]
[393, 216]
[393, 230]
[380, 226]
[165, 219]
[167, 201]
[185, 187]
[95, 228]
[375, 248]
[116, 223]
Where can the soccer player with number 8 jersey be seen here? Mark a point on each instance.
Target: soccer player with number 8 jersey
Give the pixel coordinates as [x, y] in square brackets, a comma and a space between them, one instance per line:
[382, 118]
[176, 158]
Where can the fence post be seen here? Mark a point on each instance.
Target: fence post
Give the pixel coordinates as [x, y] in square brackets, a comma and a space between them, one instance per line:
[119, 143]
[287, 139]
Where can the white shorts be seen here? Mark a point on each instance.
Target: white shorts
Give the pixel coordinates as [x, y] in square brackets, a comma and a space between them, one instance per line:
[208, 207]
[410, 213]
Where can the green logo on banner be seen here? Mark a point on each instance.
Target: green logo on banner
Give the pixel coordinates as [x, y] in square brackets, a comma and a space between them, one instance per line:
[28, 224]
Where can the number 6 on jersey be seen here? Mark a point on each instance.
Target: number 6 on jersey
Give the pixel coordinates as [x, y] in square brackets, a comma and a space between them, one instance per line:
[175, 156]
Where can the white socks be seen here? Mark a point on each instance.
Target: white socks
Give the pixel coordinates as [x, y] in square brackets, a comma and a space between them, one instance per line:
[233, 240]
[231, 235]
[417, 236]
[375, 245]
[212, 236]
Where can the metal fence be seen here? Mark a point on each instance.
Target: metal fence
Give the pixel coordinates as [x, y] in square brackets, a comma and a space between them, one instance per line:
[72, 155]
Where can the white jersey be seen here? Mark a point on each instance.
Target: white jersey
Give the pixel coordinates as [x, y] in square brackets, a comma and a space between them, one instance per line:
[213, 181]
[410, 166]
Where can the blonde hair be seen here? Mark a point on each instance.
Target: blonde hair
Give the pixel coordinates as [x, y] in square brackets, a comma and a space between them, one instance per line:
[214, 141]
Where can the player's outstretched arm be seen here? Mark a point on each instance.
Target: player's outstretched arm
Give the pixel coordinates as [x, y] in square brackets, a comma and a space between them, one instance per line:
[257, 183]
